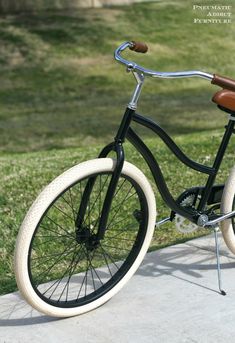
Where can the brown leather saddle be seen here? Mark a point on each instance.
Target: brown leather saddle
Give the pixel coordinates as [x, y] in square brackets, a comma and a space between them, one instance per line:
[225, 98]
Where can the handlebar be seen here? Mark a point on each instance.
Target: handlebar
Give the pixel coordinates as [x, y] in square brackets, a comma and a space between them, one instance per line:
[221, 81]
[142, 47]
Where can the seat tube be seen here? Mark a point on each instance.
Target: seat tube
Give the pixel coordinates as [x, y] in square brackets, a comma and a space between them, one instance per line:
[218, 159]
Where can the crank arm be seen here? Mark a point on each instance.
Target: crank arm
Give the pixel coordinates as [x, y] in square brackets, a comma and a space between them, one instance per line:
[163, 221]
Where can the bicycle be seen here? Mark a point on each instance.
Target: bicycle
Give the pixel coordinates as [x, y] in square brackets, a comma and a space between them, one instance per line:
[89, 229]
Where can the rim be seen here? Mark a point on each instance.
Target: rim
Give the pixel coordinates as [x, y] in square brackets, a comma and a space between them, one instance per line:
[66, 268]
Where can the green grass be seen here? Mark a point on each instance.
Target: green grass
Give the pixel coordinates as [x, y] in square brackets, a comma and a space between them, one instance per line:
[60, 86]
[24, 175]
[61, 91]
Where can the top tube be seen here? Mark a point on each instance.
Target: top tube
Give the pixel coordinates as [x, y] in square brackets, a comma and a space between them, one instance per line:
[148, 72]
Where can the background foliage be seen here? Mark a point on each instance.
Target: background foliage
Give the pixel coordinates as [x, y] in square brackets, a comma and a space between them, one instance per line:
[62, 97]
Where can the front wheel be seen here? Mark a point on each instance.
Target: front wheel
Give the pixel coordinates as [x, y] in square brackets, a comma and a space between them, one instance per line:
[228, 205]
[61, 268]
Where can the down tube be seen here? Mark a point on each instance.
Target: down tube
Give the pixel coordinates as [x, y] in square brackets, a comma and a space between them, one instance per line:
[158, 177]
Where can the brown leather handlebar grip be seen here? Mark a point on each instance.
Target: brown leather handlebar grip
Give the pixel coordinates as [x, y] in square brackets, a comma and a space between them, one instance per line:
[139, 47]
[223, 82]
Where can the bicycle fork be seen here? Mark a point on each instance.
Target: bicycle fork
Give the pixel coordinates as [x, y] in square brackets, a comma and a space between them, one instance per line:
[117, 147]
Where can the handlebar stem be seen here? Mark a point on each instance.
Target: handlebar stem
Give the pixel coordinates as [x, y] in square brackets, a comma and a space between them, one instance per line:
[136, 94]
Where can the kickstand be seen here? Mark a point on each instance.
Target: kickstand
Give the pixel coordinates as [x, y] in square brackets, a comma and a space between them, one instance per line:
[218, 260]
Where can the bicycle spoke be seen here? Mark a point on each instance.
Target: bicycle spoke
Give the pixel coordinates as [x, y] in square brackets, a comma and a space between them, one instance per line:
[114, 247]
[119, 187]
[61, 211]
[107, 264]
[90, 265]
[67, 202]
[46, 272]
[83, 281]
[95, 201]
[69, 266]
[45, 257]
[96, 273]
[74, 215]
[58, 281]
[58, 225]
[121, 204]
[118, 234]
[121, 239]
[126, 228]
[109, 256]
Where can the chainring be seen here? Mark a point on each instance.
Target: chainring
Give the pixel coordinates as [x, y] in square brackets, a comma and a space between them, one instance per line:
[182, 224]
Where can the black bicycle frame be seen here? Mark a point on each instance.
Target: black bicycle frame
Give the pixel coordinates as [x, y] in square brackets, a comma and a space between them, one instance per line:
[191, 214]
[125, 131]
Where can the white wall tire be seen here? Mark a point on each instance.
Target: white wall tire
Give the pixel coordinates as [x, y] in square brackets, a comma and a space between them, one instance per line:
[38, 208]
[227, 204]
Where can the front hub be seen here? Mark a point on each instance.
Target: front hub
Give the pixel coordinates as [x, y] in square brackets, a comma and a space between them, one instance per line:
[84, 235]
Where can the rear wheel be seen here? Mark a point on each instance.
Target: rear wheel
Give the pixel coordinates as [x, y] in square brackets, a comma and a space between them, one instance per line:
[62, 269]
[228, 205]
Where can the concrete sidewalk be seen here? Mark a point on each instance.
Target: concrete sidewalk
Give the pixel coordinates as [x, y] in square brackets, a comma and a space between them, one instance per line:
[173, 297]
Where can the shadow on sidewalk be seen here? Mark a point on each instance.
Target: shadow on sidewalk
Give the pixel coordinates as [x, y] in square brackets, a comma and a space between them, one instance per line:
[187, 262]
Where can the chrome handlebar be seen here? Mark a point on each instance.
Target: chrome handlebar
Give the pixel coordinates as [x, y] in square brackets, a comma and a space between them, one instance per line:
[132, 66]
